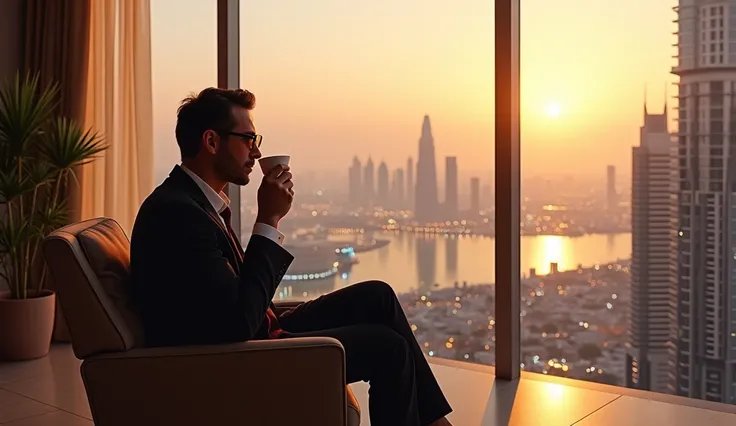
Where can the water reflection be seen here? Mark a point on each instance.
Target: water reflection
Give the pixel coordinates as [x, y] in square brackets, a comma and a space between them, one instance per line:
[410, 260]
[451, 246]
[383, 255]
[307, 289]
[550, 249]
[426, 262]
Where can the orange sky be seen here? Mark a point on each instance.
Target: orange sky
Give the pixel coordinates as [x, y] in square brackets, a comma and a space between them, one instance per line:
[335, 78]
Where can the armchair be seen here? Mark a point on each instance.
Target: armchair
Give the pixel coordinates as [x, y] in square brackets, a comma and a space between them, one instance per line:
[195, 385]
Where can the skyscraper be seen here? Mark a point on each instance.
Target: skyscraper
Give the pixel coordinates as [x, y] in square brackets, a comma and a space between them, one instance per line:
[426, 185]
[611, 194]
[369, 183]
[383, 194]
[410, 183]
[706, 344]
[653, 259]
[355, 184]
[474, 196]
[451, 190]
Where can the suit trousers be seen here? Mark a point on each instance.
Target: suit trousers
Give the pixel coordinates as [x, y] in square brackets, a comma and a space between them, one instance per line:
[380, 348]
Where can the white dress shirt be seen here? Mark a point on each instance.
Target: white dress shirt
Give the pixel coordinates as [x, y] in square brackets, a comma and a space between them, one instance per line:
[221, 201]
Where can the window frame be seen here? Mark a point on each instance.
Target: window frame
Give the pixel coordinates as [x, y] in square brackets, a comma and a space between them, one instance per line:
[507, 165]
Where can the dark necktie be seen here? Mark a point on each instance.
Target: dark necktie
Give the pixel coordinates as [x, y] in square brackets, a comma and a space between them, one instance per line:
[226, 215]
[274, 330]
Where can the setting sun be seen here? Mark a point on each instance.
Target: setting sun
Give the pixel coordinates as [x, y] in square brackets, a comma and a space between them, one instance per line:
[553, 109]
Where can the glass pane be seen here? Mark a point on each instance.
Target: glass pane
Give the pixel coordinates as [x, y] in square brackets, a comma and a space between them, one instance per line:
[628, 125]
[386, 110]
[183, 60]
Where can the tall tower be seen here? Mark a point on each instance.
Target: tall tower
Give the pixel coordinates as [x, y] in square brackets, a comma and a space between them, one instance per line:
[451, 190]
[474, 196]
[410, 183]
[653, 259]
[611, 194]
[426, 186]
[355, 185]
[383, 194]
[369, 183]
[706, 308]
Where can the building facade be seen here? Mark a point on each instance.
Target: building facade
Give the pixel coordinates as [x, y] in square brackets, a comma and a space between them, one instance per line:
[425, 198]
[649, 359]
[705, 349]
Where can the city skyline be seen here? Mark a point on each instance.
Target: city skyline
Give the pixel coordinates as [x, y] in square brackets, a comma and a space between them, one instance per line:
[392, 186]
[373, 108]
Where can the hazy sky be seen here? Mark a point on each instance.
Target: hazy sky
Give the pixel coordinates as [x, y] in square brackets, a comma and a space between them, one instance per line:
[338, 78]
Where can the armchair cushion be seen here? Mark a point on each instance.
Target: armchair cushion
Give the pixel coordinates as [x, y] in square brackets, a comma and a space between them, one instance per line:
[222, 384]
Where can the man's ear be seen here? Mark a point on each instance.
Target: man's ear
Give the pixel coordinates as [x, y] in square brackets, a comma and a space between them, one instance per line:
[211, 140]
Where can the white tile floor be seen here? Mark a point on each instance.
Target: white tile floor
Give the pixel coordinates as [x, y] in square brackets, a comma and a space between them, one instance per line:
[49, 391]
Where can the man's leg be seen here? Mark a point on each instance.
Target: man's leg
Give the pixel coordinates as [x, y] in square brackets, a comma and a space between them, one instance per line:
[371, 302]
[378, 355]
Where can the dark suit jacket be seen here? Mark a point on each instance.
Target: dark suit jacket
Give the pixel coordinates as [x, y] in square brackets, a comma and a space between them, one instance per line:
[187, 282]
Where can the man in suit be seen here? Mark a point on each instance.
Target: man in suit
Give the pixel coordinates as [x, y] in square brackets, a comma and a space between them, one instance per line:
[194, 284]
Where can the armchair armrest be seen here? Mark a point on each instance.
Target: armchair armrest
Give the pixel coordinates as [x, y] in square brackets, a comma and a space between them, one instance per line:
[284, 306]
[261, 382]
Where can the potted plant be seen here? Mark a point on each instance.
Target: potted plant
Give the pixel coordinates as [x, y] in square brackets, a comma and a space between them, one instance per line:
[38, 154]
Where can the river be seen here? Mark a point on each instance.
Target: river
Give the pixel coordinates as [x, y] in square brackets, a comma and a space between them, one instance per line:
[416, 261]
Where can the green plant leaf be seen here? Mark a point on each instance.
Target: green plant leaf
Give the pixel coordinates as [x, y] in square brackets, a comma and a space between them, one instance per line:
[12, 187]
[40, 173]
[49, 218]
[14, 236]
[24, 110]
[66, 145]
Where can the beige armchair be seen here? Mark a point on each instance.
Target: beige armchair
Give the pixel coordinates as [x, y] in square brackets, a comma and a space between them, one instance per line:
[266, 382]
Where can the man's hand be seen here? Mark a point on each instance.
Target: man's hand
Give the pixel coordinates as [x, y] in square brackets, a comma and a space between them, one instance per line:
[275, 196]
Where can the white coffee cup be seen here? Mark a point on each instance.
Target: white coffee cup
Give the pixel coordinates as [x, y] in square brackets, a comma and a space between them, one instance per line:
[268, 163]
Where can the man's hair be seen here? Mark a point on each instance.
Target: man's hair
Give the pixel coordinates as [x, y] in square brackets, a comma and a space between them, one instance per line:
[211, 109]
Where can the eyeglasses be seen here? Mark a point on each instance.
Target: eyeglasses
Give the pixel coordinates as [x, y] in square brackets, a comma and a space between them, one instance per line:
[253, 139]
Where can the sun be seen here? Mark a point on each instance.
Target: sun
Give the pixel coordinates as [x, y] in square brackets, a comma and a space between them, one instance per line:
[553, 110]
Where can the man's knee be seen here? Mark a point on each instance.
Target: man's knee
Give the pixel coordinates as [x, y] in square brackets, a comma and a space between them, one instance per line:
[394, 345]
[378, 287]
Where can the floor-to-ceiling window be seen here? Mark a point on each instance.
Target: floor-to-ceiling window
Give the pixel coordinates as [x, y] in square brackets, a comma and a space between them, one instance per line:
[386, 109]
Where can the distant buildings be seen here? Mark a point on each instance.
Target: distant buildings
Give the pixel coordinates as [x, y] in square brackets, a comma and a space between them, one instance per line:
[383, 189]
[401, 189]
[355, 183]
[474, 196]
[369, 183]
[410, 182]
[425, 199]
[451, 189]
[486, 193]
[649, 362]
[398, 191]
[611, 194]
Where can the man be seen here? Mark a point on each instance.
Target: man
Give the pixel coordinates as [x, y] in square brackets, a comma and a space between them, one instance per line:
[194, 284]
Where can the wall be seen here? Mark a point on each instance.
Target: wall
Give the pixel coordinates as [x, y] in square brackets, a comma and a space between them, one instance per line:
[10, 49]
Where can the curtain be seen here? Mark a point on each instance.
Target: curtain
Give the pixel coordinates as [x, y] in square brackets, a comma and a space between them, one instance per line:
[119, 106]
[55, 46]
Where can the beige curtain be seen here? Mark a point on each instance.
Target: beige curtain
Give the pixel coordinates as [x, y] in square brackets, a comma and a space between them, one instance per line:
[55, 46]
[119, 106]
